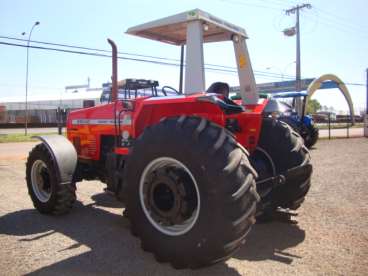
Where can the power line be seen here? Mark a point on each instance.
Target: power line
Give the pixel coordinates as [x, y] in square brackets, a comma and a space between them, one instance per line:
[342, 20]
[97, 52]
[133, 54]
[84, 48]
[223, 69]
[330, 19]
[235, 2]
[339, 26]
[33, 86]
[86, 53]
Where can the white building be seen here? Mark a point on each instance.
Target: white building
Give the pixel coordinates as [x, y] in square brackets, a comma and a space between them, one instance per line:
[43, 108]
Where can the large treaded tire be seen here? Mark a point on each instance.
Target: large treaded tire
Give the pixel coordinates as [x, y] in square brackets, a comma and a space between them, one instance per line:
[312, 137]
[291, 159]
[62, 197]
[226, 183]
[309, 134]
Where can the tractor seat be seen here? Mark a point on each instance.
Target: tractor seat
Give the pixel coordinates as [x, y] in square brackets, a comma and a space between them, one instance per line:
[226, 104]
[219, 88]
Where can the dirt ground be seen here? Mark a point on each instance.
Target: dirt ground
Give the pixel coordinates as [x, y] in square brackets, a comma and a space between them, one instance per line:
[330, 237]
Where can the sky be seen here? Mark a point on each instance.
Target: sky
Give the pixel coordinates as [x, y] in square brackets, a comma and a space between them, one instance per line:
[333, 40]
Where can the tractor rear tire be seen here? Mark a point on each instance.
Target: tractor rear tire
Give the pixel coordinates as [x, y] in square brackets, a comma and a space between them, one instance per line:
[191, 192]
[311, 138]
[309, 134]
[47, 194]
[291, 159]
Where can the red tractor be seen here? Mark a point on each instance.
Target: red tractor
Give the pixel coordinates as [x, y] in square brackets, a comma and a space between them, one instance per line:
[195, 169]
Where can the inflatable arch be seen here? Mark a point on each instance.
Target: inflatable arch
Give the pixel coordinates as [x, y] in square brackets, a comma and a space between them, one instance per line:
[317, 83]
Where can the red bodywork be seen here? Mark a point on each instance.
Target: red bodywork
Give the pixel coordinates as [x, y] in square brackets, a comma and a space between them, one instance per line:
[85, 127]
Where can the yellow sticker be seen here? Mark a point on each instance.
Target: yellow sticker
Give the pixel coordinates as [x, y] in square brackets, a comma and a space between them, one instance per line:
[242, 61]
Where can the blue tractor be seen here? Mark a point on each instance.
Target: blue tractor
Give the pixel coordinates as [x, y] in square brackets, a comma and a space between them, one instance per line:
[280, 106]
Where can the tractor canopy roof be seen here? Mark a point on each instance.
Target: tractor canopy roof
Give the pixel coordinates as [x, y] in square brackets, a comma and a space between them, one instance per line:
[173, 29]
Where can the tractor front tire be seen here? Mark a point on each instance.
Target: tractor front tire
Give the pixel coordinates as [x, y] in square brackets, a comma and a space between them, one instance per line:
[291, 159]
[47, 194]
[191, 192]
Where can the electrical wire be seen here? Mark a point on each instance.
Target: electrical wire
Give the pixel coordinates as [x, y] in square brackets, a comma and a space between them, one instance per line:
[138, 55]
[84, 48]
[86, 53]
[342, 20]
[338, 26]
[239, 3]
[330, 20]
[224, 69]
[211, 67]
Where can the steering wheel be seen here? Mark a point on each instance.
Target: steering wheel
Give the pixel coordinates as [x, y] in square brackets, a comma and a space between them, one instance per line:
[166, 88]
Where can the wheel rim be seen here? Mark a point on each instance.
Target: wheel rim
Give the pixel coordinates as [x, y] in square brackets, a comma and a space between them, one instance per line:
[169, 196]
[40, 179]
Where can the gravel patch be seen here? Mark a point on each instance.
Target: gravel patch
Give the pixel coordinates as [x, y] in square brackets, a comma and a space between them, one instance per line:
[329, 236]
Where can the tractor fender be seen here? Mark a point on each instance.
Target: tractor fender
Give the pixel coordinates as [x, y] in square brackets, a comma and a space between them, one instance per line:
[64, 154]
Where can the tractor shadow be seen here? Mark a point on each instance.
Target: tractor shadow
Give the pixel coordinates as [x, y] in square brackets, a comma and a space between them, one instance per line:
[270, 241]
[103, 238]
[111, 249]
[106, 200]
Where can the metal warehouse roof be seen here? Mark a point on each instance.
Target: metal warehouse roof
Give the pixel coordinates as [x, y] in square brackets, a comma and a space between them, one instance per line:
[50, 100]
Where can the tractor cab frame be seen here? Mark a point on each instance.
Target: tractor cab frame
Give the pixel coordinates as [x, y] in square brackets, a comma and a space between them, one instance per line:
[193, 29]
[130, 89]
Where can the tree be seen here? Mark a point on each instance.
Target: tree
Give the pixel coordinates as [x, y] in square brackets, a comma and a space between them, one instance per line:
[313, 106]
[324, 108]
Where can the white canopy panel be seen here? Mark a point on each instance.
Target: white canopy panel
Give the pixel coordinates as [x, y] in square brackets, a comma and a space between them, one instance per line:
[173, 29]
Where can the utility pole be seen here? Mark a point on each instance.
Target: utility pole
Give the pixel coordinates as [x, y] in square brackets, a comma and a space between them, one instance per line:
[366, 104]
[366, 110]
[27, 65]
[295, 10]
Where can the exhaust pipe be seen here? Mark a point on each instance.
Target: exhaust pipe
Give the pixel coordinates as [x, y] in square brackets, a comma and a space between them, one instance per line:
[114, 77]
